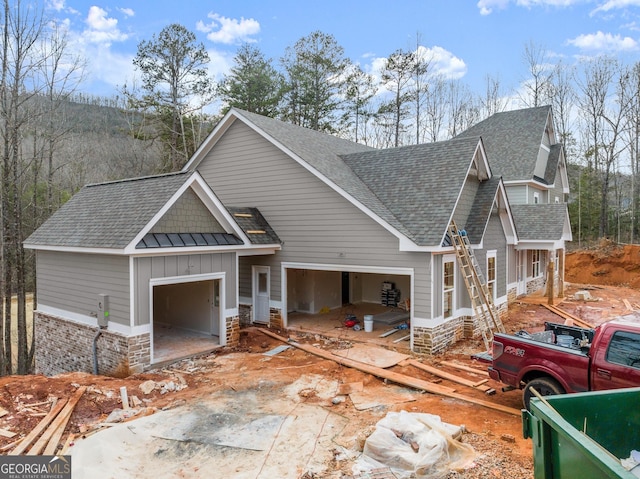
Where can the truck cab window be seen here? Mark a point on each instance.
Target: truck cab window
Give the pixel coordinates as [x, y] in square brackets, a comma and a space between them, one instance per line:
[624, 349]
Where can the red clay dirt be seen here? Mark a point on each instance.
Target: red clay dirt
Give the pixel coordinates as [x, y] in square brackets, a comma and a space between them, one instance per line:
[610, 274]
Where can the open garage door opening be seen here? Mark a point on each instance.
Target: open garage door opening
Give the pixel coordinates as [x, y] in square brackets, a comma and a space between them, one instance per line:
[368, 304]
[186, 319]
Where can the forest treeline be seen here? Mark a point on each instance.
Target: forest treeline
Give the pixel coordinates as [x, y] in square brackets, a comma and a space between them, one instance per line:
[55, 138]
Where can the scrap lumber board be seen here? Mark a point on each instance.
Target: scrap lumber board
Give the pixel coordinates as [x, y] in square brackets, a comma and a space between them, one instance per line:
[403, 338]
[42, 425]
[62, 421]
[7, 433]
[3, 412]
[395, 377]
[627, 304]
[388, 333]
[451, 377]
[462, 367]
[564, 314]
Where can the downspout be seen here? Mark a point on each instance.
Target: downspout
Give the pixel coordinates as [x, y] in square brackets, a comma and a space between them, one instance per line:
[95, 350]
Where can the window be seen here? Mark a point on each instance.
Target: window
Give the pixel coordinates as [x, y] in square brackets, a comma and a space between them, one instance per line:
[491, 274]
[624, 349]
[448, 286]
[535, 263]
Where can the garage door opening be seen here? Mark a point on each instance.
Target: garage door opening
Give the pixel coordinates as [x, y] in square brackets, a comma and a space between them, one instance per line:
[325, 301]
[186, 319]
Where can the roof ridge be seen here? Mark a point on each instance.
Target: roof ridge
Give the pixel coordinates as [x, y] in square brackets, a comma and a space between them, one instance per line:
[139, 178]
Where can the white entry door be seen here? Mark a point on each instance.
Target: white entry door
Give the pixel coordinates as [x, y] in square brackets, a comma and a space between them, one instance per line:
[261, 294]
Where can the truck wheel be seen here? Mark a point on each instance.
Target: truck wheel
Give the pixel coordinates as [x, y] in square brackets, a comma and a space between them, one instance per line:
[545, 386]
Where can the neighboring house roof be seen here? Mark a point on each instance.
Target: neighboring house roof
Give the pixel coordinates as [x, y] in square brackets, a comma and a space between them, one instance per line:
[412, 190]
[512, 141]
[541, 222]
[119, 215]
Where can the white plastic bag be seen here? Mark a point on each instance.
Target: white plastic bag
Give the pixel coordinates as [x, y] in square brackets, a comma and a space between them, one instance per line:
[416, 443]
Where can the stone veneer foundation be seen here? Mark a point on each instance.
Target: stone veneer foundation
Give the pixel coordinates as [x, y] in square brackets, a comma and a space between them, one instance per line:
[63, 346]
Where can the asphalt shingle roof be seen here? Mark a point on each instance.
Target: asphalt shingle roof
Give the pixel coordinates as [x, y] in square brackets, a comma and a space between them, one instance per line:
[412, 188]
[419, 185]
[108, 215]
[540, 222]
[512, 140]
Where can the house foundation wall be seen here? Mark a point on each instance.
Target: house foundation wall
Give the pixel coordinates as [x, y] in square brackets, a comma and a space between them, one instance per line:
[64, 346]
[233, 330]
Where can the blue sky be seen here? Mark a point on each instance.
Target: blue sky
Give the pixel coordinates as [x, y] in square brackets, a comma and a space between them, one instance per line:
[469, 38]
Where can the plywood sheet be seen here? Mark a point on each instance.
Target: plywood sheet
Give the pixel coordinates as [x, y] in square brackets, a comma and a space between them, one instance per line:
[371, 355]
[375, 397]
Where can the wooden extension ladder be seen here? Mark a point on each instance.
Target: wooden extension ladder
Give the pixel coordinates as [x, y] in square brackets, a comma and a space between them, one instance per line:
[481, 299]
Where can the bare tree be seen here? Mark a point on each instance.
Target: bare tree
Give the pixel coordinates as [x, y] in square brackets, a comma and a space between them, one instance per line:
[493, 100]
[537, 86]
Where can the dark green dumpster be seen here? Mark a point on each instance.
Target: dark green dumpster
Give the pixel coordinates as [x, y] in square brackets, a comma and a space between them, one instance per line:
[584, 435]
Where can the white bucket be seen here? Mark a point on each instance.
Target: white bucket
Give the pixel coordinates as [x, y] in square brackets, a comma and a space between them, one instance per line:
[368, 323]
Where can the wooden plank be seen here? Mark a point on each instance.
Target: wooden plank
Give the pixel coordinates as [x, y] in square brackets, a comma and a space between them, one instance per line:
[404, 338]
[388, 333]
[627, 304]
[3, 412]
[42, 425]
[54, 440]
[462, 367]
[395, 377]
[452, 377]
[7, 433]
[566, 315]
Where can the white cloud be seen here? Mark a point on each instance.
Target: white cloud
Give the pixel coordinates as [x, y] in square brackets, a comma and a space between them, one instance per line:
[444, 62]
[615, 4]
[127, 12]
[603, 42]
[101, 28]
[487, 6]
[57, 5]
[229, 30]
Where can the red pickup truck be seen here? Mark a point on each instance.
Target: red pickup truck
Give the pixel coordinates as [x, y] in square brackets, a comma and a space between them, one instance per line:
[566, 359]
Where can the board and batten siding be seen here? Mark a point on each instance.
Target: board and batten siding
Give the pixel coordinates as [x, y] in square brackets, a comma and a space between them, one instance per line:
[465, 202]
[72, 281]
[316, 224]
[494, 239]
[157, 267]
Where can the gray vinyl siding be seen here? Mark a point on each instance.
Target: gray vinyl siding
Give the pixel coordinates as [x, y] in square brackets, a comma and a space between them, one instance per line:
[157, 267]
[543, 195]
[315, 223]
[517, 194]
[72, 282]
[557, 188]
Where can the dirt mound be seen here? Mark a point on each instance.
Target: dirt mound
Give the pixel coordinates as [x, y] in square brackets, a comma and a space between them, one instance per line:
[608, 264]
